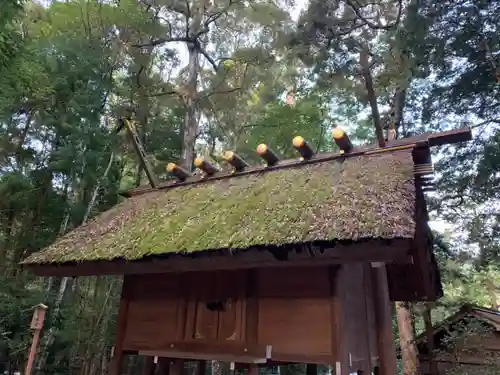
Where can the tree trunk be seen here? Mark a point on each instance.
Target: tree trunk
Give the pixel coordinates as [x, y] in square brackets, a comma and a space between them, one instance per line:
[191, 104]
[51, 335]
[9, 231]
[433, 368]
[406, 339]
[370, 93]
[492, 291]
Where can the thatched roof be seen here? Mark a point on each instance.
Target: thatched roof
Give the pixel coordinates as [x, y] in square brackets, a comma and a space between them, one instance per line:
[360, 197]
[485, 315]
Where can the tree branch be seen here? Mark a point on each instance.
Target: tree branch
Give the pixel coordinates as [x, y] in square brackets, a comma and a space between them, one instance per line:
[215, 91]
[164, 93]
[228, 91]
[215, 16]
[157, 42]
[208, 57]
[486, 122]
[355, 6]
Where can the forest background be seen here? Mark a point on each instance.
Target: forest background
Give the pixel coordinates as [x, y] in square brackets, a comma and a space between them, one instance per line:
[208, 75]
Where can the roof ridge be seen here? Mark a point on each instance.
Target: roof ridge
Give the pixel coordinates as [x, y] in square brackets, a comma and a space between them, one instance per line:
[424, 140]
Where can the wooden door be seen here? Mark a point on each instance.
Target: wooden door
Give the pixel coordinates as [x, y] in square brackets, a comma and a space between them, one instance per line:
[219, 304]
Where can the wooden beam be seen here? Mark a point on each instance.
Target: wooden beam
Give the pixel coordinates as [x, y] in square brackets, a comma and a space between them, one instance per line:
[227, 352]
[383, 320]
[286, 358]
[397, 250]
[450, 137]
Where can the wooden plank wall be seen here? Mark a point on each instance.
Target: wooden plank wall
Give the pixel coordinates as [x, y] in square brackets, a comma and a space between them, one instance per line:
[294, 312]
[303, 312]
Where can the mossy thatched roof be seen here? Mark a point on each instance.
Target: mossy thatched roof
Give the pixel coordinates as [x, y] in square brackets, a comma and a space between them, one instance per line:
[359, 198]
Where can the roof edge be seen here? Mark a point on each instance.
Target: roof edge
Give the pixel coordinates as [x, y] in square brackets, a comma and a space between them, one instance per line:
[320, 253]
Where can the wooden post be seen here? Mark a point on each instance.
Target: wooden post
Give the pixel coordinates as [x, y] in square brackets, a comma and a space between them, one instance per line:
[163, 367]
[366, 323]
[121, 324]
[201, 367]
[386, 347]
[176, 367]
[253, 369]
[433, 366]
[311, 369]
[36, 325]
[338, 277]
[149, 365]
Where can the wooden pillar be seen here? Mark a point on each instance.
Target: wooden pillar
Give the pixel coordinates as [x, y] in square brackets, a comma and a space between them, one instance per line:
[386, 347]
[253, 370]
[149, 365]
[366, 324]
[121, 324]
[429, 332]
[311, 369]
[339, 339]
[36, 325]
[176, 367]
[163, 366]
[201, 367]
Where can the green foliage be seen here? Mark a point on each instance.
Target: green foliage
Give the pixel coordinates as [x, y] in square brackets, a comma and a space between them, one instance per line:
[277, 124]
[67, 67]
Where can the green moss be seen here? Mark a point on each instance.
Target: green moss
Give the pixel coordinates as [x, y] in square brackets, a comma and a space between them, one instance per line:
[364, 197]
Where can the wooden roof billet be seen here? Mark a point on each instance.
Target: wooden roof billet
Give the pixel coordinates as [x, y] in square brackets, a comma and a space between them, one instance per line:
[430, 139]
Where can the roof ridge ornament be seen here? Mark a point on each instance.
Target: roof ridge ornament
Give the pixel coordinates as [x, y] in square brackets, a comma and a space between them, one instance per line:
[303, 148]
[235, 160]
[342, 140]
[267, 154]
[205, 166]
[179, 172]
[241, 167]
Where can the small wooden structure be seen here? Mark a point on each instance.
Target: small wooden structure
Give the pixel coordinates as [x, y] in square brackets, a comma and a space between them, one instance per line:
[281, 263]
[469, 340]
[36, 325]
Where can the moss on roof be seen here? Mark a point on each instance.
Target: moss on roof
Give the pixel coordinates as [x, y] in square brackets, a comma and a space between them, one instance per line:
[317, 202]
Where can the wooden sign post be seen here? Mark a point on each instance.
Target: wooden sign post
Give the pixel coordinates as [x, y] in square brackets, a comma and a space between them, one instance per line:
[36, 325]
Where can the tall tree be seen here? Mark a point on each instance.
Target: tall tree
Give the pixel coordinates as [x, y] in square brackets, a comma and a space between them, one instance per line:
[199, 25]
